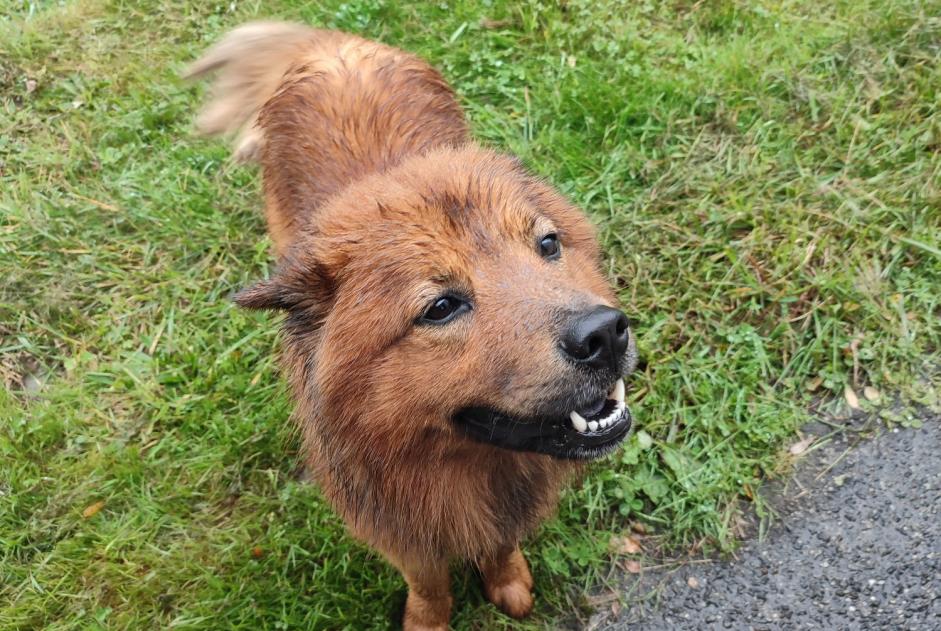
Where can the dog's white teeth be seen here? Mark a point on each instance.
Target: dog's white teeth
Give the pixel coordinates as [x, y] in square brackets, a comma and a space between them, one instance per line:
[578, 421]
[582, 425]
[619, 391]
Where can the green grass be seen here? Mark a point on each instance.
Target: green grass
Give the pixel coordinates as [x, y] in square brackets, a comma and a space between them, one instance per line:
[767, 183]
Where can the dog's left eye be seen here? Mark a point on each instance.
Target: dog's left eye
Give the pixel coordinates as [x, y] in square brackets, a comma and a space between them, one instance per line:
[444, 309]
[549, 247]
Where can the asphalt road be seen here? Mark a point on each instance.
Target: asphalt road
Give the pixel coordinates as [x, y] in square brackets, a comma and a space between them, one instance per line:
[857, 545]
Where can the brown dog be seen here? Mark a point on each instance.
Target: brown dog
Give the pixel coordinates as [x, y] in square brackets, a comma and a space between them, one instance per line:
[451, 343]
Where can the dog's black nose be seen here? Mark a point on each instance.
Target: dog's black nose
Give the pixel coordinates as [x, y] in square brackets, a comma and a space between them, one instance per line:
[597, 337]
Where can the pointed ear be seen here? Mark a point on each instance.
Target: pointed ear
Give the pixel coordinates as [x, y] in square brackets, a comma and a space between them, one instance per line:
[267, 294]
[304, 283]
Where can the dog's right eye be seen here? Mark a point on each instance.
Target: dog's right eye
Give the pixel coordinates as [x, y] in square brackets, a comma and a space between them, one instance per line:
[549, 247]
[444, 309]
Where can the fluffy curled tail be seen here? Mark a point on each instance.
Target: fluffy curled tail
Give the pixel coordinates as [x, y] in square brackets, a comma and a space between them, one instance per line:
[321, 110]
[251, 62]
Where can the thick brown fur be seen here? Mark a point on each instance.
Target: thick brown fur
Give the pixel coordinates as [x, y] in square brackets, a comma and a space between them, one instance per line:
[377, 201]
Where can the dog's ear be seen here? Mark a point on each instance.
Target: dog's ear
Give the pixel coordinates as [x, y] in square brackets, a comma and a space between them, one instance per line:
[267, 294]
[294, 285]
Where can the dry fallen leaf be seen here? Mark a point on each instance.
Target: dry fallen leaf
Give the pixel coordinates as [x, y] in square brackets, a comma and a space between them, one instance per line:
[871, 394]
[625, 545]
[814, 384]
[632, 566]
[602, 599]
[257, 552]
[851, 399]
[693, 582]
[489, 23]
[639, 527]
[32, 384]
[92, 510]
[801, 446]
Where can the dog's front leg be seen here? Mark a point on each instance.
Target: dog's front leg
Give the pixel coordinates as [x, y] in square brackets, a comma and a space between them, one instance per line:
[508, 583]
[428, 607]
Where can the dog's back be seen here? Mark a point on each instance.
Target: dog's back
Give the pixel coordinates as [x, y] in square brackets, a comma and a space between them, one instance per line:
[320, 110]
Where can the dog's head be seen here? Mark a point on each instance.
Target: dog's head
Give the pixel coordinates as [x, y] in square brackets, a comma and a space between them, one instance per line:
[456, 294]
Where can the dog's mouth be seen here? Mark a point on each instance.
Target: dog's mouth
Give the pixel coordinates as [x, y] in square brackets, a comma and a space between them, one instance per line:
[590, 431]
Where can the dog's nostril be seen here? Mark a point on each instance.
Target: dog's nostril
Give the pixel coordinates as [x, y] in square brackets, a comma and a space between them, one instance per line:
[595, 344]
[621, 327]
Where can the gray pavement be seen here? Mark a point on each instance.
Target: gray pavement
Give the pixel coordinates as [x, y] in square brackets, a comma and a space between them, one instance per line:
[856, 545]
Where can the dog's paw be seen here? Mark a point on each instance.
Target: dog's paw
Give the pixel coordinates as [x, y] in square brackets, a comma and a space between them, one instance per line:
[426, 614]
[514, 598]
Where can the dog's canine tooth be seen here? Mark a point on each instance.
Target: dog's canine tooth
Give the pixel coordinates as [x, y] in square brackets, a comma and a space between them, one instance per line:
[578, 422]
[619, 391]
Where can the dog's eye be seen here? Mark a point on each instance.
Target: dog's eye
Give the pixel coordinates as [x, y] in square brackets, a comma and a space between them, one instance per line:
[444, 309]
[549, 247]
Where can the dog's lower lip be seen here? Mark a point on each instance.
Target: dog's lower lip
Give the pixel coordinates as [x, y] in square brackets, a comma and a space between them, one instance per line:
[560, 437]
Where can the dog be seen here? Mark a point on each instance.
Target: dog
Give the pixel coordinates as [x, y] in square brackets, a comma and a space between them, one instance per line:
[453, 349]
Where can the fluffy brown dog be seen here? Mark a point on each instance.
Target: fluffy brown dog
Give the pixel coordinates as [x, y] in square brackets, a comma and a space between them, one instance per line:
[450, 341]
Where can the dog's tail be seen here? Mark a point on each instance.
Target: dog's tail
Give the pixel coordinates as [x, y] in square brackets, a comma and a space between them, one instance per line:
[320, 110]
[251, 62]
